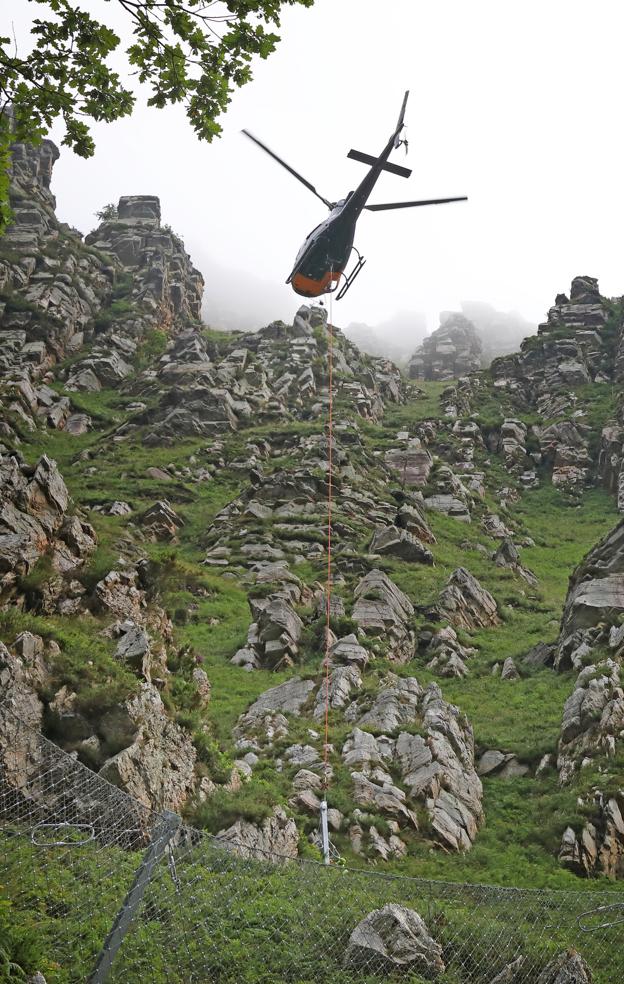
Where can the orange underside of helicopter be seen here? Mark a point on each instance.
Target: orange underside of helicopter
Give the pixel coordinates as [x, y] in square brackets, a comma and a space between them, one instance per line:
[314, 288]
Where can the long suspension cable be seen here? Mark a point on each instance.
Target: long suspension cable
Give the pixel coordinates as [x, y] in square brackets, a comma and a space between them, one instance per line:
[330, 477]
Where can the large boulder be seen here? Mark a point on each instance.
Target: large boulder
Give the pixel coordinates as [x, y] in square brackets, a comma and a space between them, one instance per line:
[467, 604]
[399, 543]
[394, 938]
[567, 968]
[382, 610]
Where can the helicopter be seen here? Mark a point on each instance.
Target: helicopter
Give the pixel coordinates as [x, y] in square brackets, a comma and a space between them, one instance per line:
[323, 258]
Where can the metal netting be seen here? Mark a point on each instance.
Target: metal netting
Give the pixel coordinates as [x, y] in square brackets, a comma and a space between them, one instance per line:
[124, 893]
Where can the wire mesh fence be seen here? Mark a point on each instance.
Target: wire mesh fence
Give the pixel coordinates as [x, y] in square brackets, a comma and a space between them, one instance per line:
[123, 893]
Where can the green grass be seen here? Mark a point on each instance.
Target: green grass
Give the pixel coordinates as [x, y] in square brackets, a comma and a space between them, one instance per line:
[211, 612]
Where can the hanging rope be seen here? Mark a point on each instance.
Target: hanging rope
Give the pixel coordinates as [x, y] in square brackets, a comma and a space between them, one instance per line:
[330, 477]
[324, 829]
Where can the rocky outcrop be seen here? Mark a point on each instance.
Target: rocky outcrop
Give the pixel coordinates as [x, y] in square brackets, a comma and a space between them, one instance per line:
[382, 610]
[394, 938]
[436, 767]
[567, 968]
[573, 348]
[596, 591]
[593, 718]
[34, 523]
[21, 710]
[399, 543]
[156, 764]
[276, 839]
[599, 848]
[465, 603]
[267, 713]
[165, 278]
[453, 350]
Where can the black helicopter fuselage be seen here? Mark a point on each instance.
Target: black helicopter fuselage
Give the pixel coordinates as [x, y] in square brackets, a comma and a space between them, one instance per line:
[320, 266]
[325, 253]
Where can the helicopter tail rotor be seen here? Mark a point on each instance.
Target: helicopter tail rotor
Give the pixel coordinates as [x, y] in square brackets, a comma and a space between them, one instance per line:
[400, 122]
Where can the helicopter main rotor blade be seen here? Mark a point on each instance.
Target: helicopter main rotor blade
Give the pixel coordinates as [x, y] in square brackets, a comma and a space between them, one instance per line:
[294, 173]
[428, 201]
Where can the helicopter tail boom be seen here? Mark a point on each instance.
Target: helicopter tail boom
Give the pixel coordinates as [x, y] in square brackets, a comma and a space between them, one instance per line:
[357, 155]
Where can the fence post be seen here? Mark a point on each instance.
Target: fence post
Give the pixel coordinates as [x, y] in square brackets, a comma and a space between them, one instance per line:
[162, 835]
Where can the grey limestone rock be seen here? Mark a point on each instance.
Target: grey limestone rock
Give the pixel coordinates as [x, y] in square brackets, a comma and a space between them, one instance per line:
[399, 543]
[395, 705]
[286, 698]
[157, 766]
[465, 603]
[381, 609]
[593, 718]
[276, 839]
[511, 973]
[599, 848]
[567, 968]
[392, 938]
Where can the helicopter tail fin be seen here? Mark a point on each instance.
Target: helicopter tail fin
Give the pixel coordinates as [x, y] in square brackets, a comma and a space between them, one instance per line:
[357, 155]
[401, 120]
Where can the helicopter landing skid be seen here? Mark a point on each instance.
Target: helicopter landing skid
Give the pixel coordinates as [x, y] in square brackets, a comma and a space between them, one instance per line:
[341, 289]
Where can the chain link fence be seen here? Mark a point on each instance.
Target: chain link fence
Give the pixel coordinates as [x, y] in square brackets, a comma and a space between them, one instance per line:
[122, 893]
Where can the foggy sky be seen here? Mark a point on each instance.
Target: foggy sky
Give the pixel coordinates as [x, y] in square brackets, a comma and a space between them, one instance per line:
[517, 105]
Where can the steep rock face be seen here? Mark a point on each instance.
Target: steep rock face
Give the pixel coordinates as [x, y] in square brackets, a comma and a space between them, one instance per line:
[453, 350]
[157, 766]
[169, 285]
[34, 521]
[437, 771]
[593, 716]
[51, 289]
[570, 347]
[596, 590]
[550, 376]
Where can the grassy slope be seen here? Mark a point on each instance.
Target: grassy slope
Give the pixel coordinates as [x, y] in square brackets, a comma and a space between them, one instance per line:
[525, 818]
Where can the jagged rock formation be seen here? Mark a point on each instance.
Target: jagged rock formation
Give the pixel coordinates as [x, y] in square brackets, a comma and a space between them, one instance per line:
[452, 350]
[437, 770]
[573, 348]
[158, 766]
[465, 603]
[394, 937]
[593, 716]
[599, 848]
[567, 968]
[193, 548]
[381, 609]
[277, 839]
[34, 522]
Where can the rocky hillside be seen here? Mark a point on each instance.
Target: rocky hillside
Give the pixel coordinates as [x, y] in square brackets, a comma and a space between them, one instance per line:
[163, 558]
